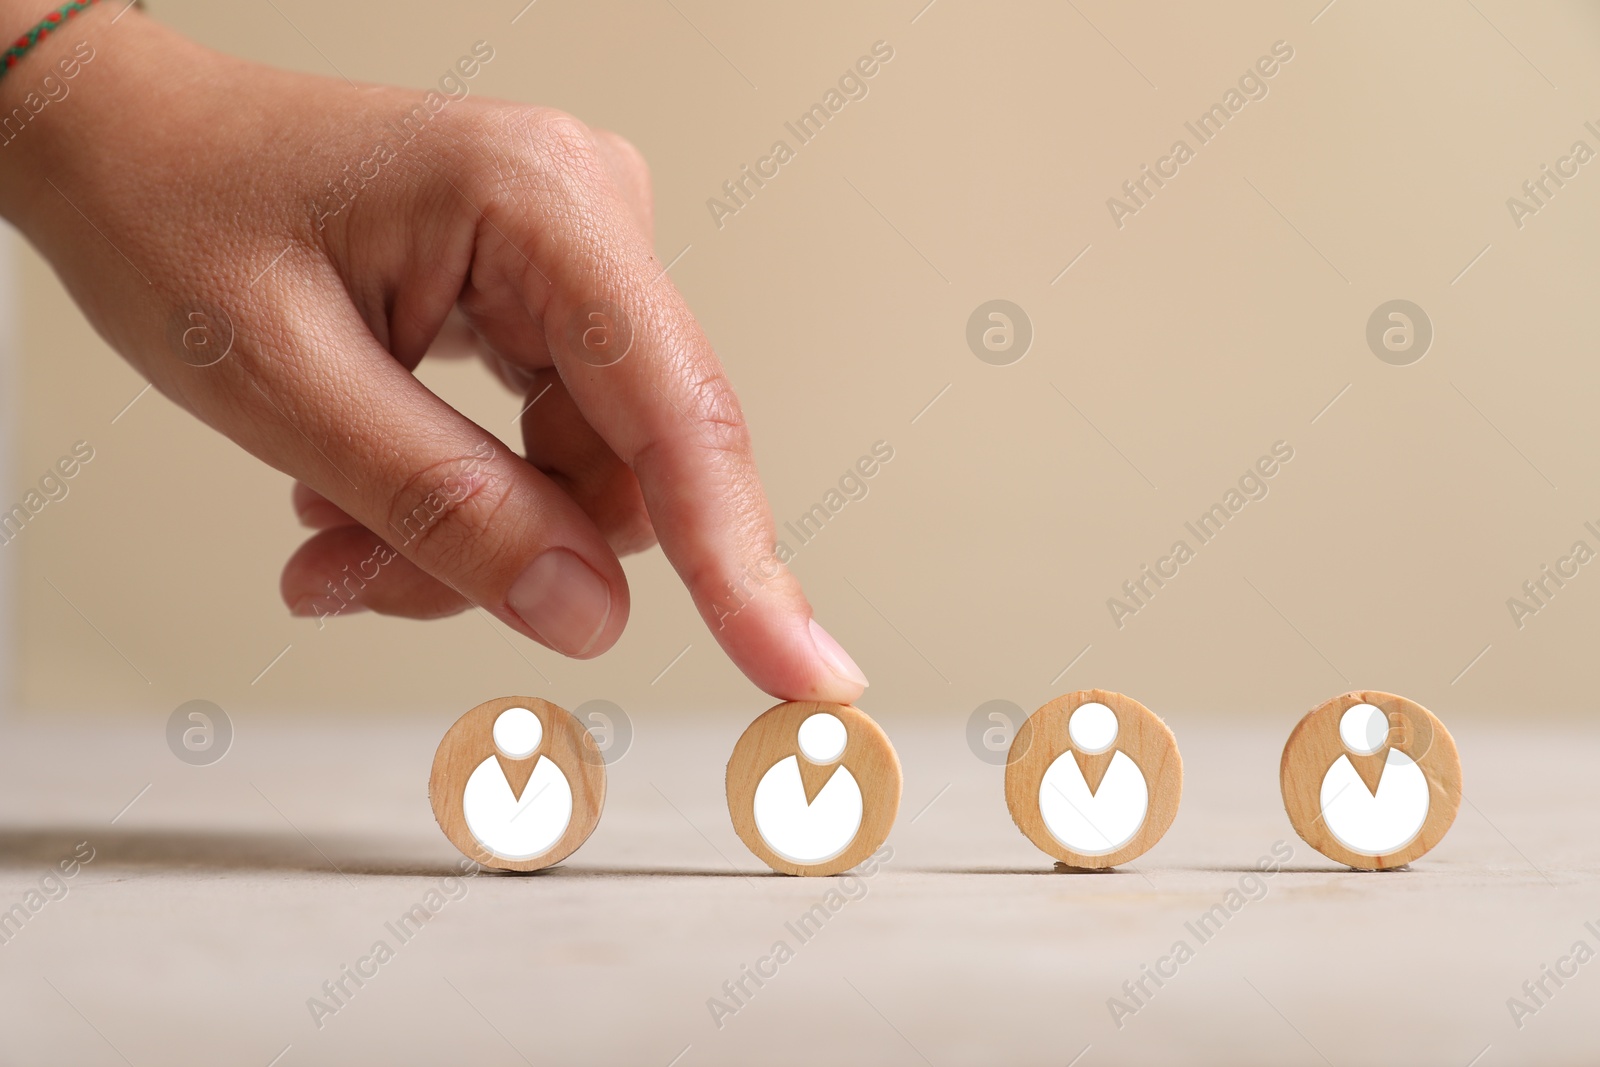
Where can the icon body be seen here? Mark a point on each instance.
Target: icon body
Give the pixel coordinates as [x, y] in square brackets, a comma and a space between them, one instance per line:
[1371, 780]
[813, 788]
[517, 784]
[1094, 779]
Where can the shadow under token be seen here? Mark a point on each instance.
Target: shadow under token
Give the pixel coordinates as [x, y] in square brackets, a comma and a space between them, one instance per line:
[42, 847]
[178, 849]
[642, 872]
[1331, 868]
[1059, 868]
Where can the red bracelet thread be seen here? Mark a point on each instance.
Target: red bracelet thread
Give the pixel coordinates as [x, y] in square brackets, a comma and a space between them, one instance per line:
[40, 30]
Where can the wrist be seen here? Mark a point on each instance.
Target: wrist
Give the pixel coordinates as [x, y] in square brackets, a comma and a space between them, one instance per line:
[39, 118]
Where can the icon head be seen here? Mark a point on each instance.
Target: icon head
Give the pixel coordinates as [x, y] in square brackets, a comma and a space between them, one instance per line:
[1092, 728]
[517, 733]
[822, 738]
[1364, 729]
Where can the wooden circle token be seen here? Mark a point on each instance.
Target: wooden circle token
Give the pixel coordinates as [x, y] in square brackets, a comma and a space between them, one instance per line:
[505, 787]
[1140, 736]
[866, 754]
[1316, 745]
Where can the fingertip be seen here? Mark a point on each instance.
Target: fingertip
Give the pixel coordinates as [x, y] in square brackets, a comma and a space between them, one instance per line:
[830, 689]
[847, 676]
[779, 646]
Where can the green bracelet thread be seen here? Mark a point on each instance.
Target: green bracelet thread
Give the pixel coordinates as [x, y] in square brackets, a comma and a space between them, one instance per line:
[42, 29]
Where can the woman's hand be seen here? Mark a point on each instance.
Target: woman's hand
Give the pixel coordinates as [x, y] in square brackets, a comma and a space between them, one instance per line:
[277, 252]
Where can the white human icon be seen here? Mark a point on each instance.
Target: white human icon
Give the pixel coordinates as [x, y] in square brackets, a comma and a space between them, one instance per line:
[512, 825]
[812, 831]
[1093, 822]
[1373, 823]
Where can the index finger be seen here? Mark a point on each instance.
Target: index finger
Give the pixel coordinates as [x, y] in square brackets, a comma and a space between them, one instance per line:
[645, 376]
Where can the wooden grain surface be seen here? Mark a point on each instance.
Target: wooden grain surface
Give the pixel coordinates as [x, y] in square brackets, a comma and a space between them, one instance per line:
[1140, 734]
[565, 743]
[868, 756]
[1314, 746]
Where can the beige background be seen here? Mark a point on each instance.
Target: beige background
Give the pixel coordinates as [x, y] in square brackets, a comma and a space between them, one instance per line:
[1222, 318]
[1214, 324]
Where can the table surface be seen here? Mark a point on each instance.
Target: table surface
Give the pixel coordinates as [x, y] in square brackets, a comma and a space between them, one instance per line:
[218, 903]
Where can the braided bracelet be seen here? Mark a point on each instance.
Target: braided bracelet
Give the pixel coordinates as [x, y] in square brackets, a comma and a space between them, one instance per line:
[42, 29]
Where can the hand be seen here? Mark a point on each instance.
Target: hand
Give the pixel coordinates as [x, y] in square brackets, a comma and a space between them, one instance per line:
[325, 237]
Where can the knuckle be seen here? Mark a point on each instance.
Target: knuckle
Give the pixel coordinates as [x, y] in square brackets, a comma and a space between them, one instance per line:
[716, 440]
[716, 427]
[625, 153]
[556, 130]
[718, 414]
[445, 513]
[516, 144]
[557, 145]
